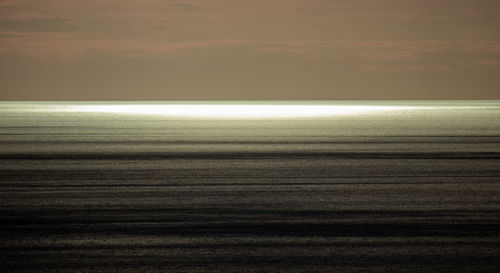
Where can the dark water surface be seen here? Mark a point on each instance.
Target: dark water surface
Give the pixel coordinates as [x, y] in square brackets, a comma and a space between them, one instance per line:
[407, 187]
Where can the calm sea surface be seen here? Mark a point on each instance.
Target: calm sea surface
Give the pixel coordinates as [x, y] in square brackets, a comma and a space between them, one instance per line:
[296, 187]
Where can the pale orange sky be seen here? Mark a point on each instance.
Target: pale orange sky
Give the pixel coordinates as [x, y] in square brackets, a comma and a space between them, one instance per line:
[240, 49]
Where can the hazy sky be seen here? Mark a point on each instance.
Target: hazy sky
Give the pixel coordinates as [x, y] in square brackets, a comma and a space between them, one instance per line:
[249, 49]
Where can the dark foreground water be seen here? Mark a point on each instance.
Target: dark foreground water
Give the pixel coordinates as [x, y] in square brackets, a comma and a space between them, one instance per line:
[407, 187]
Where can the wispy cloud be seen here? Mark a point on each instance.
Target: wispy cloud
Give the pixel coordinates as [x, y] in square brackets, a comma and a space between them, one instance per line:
[409, 54]
[320, 43]
[54, 24]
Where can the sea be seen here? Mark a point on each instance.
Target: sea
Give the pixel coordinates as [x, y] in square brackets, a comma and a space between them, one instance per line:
[250, 186]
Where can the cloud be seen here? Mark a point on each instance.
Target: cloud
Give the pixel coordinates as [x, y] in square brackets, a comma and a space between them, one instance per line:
[185, 6]
[386, 55]
[54, 24]
[310, 43]
[262, 19]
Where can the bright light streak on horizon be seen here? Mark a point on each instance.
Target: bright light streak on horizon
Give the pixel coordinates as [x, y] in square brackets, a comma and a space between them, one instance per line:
[235, 111]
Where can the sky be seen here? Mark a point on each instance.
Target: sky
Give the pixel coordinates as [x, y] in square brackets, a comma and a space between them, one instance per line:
[249, 50]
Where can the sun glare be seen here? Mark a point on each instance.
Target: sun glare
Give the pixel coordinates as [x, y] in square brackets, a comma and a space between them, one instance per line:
[234, 111]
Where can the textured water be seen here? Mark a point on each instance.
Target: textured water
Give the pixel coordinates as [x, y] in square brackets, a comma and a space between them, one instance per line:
[403, 187]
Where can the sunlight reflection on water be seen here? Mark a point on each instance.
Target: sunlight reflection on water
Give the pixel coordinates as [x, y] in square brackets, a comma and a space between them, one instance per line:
[236, 111]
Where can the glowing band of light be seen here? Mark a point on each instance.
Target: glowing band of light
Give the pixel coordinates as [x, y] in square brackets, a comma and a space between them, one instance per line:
[235, 111]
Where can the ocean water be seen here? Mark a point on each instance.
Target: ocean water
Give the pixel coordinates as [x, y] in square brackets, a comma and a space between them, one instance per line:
[384, 186]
